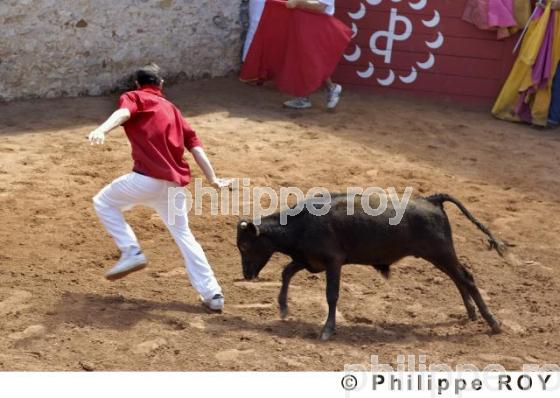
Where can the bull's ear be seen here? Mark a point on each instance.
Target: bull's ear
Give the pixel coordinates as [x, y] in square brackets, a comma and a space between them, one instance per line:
[249, 227]
[254, 229]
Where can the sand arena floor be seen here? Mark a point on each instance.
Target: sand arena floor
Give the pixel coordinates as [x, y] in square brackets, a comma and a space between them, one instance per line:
[58, 312]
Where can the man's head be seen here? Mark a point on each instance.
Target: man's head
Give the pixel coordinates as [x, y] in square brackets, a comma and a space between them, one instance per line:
[149, 75]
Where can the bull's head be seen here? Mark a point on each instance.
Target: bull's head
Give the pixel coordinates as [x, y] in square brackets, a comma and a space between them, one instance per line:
[255, 249]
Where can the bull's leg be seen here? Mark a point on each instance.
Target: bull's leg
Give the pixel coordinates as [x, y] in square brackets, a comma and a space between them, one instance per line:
[290, 270]
[450, 265]
[333, 287]
[463, 289]
[475, 294]
[467, 300]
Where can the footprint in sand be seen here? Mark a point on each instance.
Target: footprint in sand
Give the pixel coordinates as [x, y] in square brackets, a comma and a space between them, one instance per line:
[252, 306]
[310, 135]
[262, 285]
[534, 263]
[150, 346]
[506, 317]
[31, 331]
[292, 363]
[512, 325]
[197, 323]
[179, 271]
[231, 355]
[17, 300]
[504, 223]
[504, 360]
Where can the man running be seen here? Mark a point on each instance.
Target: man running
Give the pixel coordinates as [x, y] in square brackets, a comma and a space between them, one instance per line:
[158, 134]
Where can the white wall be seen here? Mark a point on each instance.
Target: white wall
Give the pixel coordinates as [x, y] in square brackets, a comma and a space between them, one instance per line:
[52, 48]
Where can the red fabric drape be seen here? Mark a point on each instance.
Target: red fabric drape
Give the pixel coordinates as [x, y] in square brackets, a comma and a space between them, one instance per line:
[296, 49]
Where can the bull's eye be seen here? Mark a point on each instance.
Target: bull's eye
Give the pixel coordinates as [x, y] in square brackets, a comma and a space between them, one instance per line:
[243, 247]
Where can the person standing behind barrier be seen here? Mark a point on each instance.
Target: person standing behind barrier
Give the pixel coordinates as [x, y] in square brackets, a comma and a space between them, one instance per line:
[334, 90]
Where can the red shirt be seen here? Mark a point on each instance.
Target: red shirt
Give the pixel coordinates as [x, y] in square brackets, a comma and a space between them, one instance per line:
[158, 134]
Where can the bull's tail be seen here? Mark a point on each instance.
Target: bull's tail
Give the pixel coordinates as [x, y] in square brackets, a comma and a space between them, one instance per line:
[496, 244]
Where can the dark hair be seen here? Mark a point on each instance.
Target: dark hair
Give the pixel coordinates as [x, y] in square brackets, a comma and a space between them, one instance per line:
[148, 75]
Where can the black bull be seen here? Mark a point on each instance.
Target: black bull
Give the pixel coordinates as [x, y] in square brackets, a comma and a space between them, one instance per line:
[325, 243]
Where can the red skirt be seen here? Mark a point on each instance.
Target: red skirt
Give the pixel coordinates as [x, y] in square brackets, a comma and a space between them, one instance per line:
[296, 49]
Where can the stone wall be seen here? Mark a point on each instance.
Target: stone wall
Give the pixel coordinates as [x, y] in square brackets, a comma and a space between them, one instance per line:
[52, 48]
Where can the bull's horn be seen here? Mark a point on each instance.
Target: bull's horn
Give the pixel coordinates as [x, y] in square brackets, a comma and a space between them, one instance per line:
[243, 225]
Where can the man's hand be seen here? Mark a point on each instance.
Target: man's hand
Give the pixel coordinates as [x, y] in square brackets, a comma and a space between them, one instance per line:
[206, 167]
[292, 3]
[555, 4]
[221, 182]
[310, 5]
[97, 137]
[118, 117]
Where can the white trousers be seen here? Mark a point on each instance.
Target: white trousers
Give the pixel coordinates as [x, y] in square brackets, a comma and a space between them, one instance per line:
[135, 189]
[256, 8]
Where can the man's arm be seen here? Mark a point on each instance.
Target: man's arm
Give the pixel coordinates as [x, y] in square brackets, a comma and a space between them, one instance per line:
[312, 5]
[206, 167]
[118, 117]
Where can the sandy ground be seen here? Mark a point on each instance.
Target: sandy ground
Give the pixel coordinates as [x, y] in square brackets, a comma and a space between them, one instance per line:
[58, 313]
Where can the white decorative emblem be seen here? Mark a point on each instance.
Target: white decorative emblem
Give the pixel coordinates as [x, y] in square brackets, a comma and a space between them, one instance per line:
[399, 29]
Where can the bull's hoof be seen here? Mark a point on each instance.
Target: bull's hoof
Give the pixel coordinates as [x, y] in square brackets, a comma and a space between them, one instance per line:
[496, 327]
[283, 313]
[326, 334]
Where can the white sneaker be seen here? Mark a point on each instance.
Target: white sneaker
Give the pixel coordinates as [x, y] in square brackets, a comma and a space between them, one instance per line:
[298, 103]
[128, 263]
[215, 303]
[333, 96]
